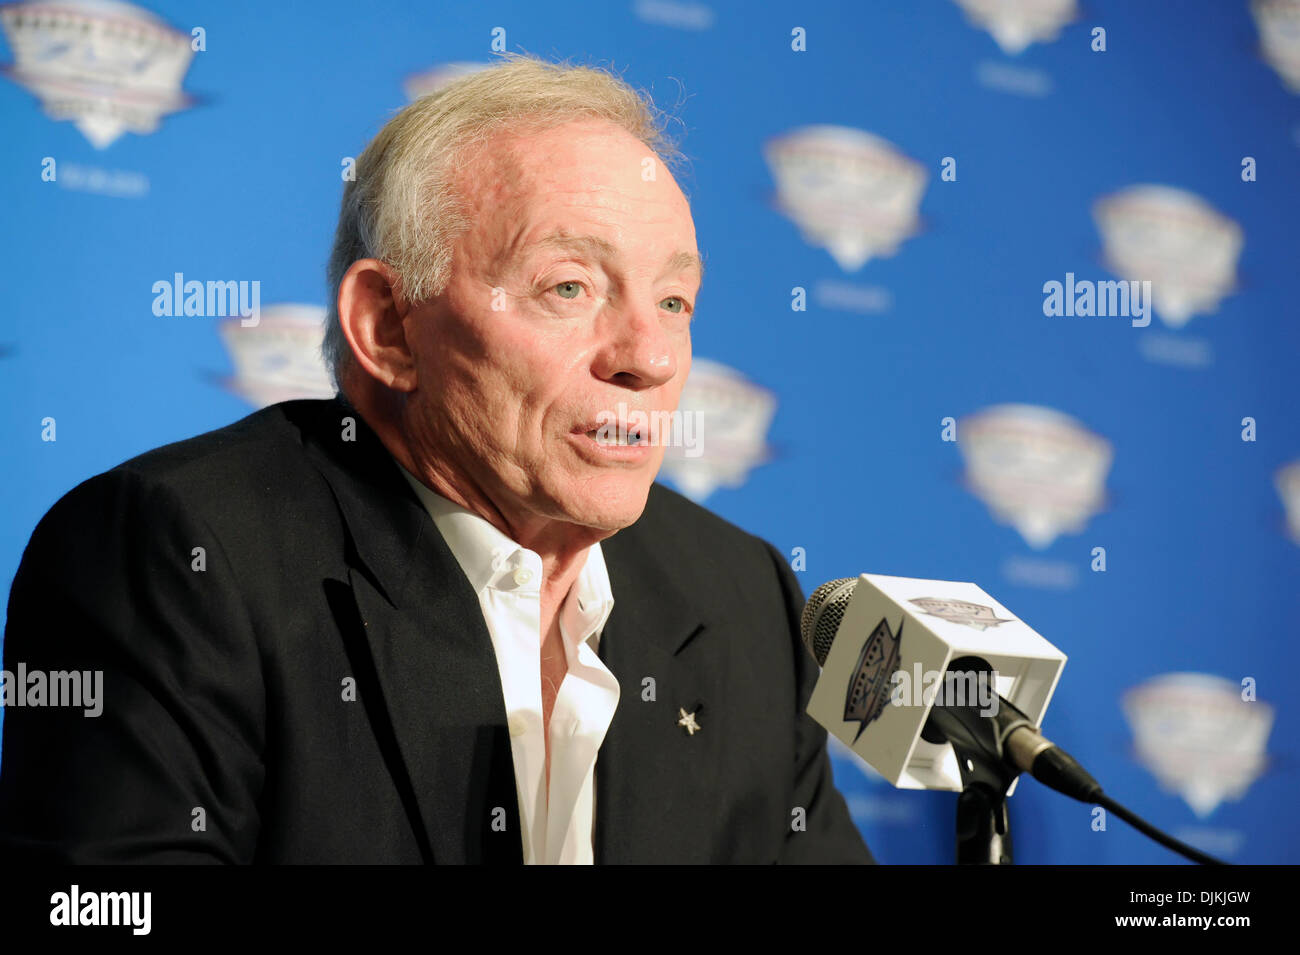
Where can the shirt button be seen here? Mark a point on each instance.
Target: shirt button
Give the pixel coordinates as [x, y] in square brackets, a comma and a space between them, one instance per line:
[516, 725]
[523, 575]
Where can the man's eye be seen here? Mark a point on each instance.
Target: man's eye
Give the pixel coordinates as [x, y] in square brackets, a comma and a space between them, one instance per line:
[681, 306]
[568, 289]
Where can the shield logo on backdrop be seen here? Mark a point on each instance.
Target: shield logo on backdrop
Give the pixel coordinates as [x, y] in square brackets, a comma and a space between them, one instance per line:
[109, 68]
[278, 359]
[849, 192]
[1198, 737]
[1177, 241]
[1287, 481]
[1015, 24]
[430, 81]
[729, 417]
[1279, 37]
[1037, 469]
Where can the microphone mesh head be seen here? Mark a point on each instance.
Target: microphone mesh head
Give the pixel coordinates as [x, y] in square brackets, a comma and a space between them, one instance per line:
[822, 615]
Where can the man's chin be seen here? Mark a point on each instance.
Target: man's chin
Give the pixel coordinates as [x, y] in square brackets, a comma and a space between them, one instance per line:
[609, 508]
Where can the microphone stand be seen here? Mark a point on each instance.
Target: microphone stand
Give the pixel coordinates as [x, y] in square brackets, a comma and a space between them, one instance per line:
[983, 825]
[983, 828]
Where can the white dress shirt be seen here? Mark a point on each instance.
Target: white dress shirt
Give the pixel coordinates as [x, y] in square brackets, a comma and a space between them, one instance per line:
[558, 826]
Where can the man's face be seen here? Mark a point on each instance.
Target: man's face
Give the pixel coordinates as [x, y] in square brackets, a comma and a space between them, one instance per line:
[571, 293]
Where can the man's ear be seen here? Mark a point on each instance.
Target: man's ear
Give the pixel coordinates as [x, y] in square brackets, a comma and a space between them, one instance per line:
[372, 316]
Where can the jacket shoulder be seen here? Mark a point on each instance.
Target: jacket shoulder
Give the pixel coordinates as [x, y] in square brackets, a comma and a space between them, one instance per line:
[269, 437]
[243, 480]
[697, 544]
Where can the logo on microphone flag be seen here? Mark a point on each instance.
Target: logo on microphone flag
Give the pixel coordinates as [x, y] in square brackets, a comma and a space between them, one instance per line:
[872, 680]
[972, 615]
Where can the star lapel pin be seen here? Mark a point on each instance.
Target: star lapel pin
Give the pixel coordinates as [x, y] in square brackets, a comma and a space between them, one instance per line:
[687, 721]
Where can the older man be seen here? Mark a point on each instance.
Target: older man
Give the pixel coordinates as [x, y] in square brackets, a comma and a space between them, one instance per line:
[385, 627]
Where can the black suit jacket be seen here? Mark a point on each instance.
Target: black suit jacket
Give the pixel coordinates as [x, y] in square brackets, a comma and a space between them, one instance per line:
[228, 734]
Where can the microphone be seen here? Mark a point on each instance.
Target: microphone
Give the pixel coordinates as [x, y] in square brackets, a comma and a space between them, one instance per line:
[984, 677]
[938, 686]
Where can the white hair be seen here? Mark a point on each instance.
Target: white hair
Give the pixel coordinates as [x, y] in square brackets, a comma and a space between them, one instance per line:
[401, 207]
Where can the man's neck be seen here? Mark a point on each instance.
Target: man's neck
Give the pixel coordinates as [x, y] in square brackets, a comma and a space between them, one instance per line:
[562, 546]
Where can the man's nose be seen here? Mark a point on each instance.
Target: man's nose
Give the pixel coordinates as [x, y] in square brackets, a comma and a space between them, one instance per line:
[638, 351]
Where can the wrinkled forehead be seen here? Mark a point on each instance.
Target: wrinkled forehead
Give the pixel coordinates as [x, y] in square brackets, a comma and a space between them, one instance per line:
[593, 160]
[589, 179]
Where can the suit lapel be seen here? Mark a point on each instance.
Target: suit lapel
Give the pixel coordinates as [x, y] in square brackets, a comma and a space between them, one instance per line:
[423, 632]
[652, 780]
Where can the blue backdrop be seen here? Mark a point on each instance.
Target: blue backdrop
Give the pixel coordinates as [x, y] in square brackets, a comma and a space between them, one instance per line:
[884, 193]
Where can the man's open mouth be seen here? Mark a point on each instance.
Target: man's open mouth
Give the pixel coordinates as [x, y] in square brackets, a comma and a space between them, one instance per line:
[612, 436]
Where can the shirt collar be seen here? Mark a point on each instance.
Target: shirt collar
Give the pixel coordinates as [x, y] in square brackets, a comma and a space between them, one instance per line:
[490, 559]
